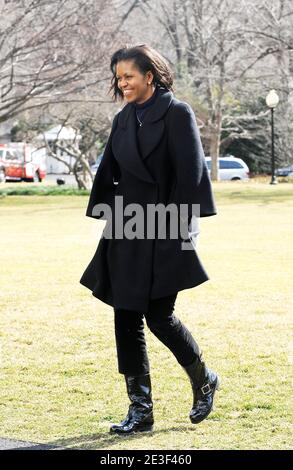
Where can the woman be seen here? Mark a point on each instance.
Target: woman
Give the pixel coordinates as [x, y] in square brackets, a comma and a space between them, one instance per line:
[153, 157]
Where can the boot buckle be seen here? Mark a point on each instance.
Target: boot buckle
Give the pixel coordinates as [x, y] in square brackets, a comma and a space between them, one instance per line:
[206, 389]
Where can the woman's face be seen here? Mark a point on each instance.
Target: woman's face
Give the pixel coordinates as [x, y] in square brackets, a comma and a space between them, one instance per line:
[134, 85]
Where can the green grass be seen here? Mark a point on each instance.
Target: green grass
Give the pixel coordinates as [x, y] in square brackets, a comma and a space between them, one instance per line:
[59, 379]
[41, 190]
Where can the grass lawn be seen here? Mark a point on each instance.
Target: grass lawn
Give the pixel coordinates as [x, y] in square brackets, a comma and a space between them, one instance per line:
[59, 379]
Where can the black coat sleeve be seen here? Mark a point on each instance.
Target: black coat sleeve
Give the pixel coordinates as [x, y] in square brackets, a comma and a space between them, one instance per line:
[192, 181]
[103, 188]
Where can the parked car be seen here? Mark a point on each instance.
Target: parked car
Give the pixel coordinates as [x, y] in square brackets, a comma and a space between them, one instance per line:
[96, 165]
[230, 168]
[288, 171]
[18, 161]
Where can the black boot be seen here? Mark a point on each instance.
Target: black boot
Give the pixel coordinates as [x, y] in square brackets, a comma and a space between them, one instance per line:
[204, 383]
[140, 414]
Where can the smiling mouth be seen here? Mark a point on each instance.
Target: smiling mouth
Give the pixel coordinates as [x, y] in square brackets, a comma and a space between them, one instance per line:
[127, 92]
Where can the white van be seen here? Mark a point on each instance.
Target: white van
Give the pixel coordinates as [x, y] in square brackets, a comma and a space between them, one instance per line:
[230, 168]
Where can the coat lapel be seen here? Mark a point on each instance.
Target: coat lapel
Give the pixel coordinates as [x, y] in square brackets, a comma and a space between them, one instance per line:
[124, 142]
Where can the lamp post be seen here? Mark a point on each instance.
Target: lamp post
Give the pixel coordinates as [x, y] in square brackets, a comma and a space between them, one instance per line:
[272, 101]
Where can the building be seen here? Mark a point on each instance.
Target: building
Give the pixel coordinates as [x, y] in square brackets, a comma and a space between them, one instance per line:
[65, 136]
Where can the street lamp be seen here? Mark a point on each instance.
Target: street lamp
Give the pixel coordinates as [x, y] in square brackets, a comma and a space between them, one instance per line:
[272, 101]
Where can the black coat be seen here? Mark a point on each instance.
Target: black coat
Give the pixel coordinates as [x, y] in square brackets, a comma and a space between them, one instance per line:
[161, 163]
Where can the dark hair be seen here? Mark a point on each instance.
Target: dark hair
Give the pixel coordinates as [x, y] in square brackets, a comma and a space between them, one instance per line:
[146, 59]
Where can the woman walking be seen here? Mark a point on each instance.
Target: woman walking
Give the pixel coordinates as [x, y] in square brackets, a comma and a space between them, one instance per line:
[153, 156]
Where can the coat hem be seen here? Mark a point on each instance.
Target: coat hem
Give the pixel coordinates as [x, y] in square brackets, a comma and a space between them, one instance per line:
[136, 305]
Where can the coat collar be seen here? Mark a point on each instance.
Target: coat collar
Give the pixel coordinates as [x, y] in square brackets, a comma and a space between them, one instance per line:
[126, 138]
[156, 112]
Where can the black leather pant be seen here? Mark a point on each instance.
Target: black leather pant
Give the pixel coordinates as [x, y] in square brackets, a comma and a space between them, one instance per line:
[130, 340]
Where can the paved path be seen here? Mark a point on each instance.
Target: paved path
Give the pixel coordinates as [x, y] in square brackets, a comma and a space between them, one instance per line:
[10, 444]
[69, 179]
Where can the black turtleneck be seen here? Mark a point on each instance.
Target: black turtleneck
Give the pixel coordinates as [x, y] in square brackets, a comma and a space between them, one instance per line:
[141, 108]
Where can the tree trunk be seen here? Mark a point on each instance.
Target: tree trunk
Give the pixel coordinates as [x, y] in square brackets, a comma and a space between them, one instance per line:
[215, 146]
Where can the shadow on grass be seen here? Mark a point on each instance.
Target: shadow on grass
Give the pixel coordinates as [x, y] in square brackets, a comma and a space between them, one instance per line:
[103, 440]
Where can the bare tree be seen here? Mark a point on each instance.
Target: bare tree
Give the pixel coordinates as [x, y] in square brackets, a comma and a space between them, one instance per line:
[54, 56]
[54, 61]
[91, 129]
[218, 46]
[270, 64]
[52, 51]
